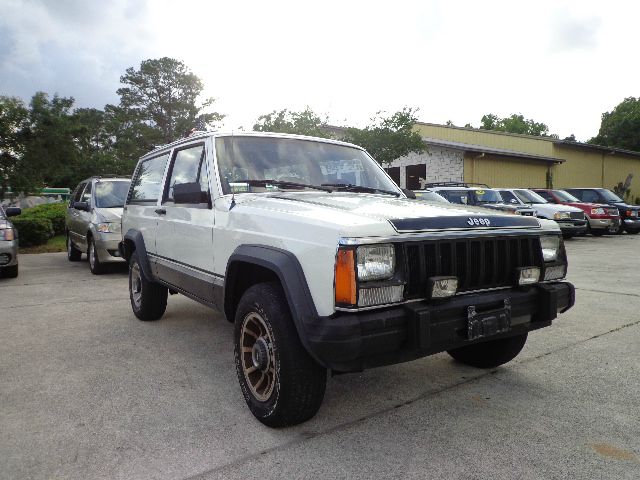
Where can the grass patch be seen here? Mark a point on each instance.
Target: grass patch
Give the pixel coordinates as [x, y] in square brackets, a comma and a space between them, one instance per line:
[54, 244]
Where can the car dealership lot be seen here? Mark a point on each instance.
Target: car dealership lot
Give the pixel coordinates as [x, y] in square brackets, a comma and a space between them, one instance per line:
[88, 391]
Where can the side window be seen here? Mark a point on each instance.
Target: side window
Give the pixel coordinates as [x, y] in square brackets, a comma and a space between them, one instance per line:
[86, 195]
[147, 182]
[590, 196]
[77, 193]
[188, 167]
[575, 193]
[455, 196]
[508, 197]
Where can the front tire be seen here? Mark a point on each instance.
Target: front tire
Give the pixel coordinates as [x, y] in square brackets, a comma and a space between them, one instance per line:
[490, 354]
[73, 254]
[96, 267]
[148, 299]
[10, 272]
[280, 382]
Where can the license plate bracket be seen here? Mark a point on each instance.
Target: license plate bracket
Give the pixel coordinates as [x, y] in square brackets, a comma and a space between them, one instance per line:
[488, 323]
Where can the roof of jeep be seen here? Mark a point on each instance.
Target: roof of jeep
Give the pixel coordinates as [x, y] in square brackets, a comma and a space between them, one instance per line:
[216, 134]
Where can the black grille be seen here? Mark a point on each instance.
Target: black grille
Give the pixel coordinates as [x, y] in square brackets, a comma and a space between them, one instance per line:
[479, 263]
[577, 215]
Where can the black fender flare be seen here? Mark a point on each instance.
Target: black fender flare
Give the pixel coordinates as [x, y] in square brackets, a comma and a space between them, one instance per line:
[287, 268]
[135, 237]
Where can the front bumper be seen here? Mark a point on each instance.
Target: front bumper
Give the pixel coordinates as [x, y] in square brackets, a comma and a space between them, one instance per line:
[604, 223]
[107, 247]
[349, 342]
[572, 226]
[8, 253]
[632, 223]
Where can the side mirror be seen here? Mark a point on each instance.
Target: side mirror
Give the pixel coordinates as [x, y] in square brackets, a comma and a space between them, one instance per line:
[13, 211]
[409, 193]
[81, 206]
[189, 193]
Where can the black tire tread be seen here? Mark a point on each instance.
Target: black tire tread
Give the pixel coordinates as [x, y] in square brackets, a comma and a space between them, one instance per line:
[301, 386]
[9, 272]
[74, 255]
[99, 268]
[154, 296]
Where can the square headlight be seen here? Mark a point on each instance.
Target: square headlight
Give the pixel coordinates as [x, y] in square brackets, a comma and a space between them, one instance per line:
[550, 247]
[375, 262]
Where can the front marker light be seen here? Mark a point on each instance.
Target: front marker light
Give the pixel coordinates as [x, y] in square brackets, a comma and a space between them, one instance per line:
[442, 287]
[345, 287]
[528, 275]
[7, 234]
[550, 247]
[375, 262]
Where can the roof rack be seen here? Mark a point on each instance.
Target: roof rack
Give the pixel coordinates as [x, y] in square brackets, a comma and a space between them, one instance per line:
[455, 184]
[109, 175]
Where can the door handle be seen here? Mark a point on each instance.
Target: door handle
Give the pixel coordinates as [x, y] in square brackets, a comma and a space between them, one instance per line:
[160, 211]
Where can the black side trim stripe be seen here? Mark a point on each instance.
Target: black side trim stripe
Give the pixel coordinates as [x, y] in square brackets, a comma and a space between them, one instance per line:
[182, 264]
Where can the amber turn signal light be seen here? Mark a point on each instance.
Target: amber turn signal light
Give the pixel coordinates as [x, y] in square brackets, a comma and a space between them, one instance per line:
[345, 277]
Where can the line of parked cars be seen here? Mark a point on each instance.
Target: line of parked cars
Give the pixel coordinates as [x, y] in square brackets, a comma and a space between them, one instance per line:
[577, 211]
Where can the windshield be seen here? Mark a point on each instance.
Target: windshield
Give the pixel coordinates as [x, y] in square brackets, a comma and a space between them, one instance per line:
[487, 196]
[566, 196]
[297, 161]
[527, 196]
[430, 196]
[609, 195]
[111, 194]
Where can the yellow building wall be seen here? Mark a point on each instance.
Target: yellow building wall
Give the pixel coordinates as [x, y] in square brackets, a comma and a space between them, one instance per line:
[584, 168]
[508, 141]
[504, 172]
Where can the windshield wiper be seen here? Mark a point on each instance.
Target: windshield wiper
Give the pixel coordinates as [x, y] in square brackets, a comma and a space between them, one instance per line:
[282, 183]
[360, 188]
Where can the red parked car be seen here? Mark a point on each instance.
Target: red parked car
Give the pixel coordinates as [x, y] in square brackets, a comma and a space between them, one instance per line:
[602, 218]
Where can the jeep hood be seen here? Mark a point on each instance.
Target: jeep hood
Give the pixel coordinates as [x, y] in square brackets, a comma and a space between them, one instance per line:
[405, 215]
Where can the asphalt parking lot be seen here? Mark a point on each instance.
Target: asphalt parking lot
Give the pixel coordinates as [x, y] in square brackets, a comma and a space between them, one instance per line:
[88, 391]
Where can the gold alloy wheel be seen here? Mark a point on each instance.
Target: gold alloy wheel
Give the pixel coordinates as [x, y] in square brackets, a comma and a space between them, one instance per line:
[257, 357]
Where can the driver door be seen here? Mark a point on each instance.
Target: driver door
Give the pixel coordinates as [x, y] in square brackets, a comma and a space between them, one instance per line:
[185, 231]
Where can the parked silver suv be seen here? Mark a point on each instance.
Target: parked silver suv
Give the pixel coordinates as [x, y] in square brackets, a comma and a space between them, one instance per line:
[93, 220]
[8, 243]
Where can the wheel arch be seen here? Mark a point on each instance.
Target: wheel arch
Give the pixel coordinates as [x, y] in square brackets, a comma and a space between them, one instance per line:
[263, 263]
[133, 241]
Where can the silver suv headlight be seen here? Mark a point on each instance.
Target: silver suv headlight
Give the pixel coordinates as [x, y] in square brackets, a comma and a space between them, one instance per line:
[550, 247]
[375, 262]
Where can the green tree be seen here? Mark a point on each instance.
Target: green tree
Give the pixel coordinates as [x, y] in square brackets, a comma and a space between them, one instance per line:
[306, 122]
[162, 94]
[388, 138]
[50, 154]
[13, 126]
[515, 123]
[620, 128]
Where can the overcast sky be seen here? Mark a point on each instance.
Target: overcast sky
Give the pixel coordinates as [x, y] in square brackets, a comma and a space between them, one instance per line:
[561, 63]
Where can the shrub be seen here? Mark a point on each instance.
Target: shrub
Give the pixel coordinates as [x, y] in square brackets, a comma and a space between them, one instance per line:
[54, 212]
[33, 231]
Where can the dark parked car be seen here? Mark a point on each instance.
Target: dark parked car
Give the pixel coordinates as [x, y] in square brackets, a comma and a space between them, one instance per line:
[629, 214]
[479, 195]
[601, 217]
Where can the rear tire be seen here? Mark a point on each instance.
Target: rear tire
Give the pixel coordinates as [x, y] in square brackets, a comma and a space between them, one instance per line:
[96, 267]
[490, 354]
[10, 272]
[280, 382]
[73, 254]
[148, 298]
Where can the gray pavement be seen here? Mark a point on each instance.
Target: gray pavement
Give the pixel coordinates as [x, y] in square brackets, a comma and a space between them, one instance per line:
[87, 391]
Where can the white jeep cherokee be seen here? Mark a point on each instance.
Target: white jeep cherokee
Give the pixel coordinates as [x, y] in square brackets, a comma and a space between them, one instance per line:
[322, 262]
